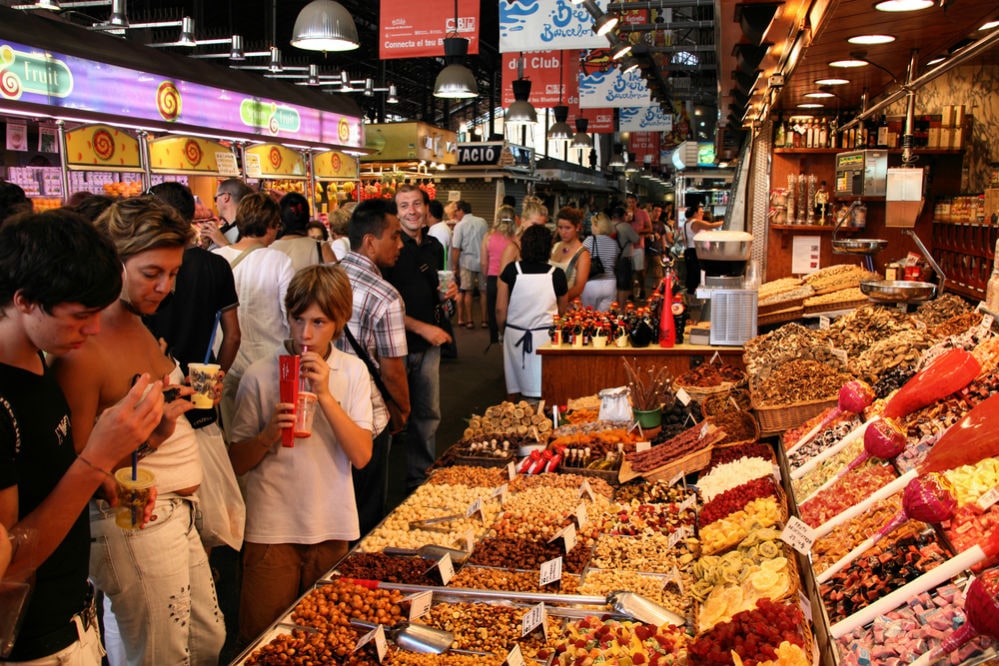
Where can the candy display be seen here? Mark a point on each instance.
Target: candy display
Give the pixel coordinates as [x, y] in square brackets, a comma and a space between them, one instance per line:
[595, 641]
[846, 492]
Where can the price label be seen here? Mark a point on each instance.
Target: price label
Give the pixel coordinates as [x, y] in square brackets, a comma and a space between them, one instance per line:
[533, 618]
[987, 322]
[675, 578]
[840, 355]
[581, 516]
[501, 493]
[988, 499]
[469, 538]
[586, 490]
[715, 358]
[777, 473]
[798, 535]
[551, 571]
[683, 397]
[419, 604]
[824, 322]
[568, 536]
[251, 162]
[688, 503]
[677, 478]
[378, 636]
[226, 162]
[514, 657]
[475, 508]
[511, 470]
[446, 568]
[806, 606]
[903, 308]
[642, 446]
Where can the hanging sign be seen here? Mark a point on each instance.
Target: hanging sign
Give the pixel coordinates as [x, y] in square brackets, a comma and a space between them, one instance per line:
[643, 147]
[102, 147]
[334, 164]
[417, 29]
[612, 88]
[276, 161]
[185, 154]
[554, 76]
[645, 119]
[601, 120]
[532, 25]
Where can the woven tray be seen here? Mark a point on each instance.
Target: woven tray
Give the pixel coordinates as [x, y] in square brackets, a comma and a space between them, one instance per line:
[702, 393]
[780, 316]
[777, 306]
[775, 420]
[835, 306]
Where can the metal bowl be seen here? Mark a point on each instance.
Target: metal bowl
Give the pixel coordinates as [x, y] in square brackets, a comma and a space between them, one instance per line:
[898, 291]
[865, 246]
[723, 245]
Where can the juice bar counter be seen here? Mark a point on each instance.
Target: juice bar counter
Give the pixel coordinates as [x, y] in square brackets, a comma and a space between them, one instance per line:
[569, 372]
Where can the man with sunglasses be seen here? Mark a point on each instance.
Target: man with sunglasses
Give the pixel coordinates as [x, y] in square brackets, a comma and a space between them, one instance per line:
[227, 197]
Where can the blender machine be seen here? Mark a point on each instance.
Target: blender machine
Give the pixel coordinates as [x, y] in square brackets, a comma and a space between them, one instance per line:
[723, 256]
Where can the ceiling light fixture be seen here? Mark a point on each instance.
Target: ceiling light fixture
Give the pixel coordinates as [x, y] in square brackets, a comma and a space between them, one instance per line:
[186, 37]
[605, 24]
[619, 159]
[313, 79]
[455, 81]
[369, 88]
[871, 39]
[620, 49]
[989, 25]
[903, 5]
[521, 112]
[393, 96]
[274, 65]
[811, 105]
[118, 18]
[629, 64]
[561, 130]
[581, 139]
[187, 32]
[831, 82]
[324, 25]
[847, 63]
[819, 95]
[935, 61]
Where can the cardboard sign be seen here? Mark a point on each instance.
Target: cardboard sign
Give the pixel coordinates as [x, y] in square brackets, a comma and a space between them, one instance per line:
[798, 535]
[551, 571]
[419, 604]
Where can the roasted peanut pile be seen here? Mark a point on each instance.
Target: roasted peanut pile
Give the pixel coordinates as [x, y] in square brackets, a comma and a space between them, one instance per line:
[489, 628]
[484, 578]
[465, 475]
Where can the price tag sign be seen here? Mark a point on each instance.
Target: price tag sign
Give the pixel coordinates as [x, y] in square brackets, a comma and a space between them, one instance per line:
[841, 356]
[511, 470]
[642, 446]
[551, 571]
[677, 478]
[251, 161]
[675, 578]
[501, 493]
[533, 618]
[568, 536]
[581, 515]
[715, 358]
[683, 397]
[824, 322]
[226, 162]
[475, 508]
[419, 604]
[514, 657]
[688, 503]
[586, 490]
[469, 538]
[798, 535]
[987, 322]
[806, 606]
[988, 499]
[378, 636]
[446, 568]
[777, 473]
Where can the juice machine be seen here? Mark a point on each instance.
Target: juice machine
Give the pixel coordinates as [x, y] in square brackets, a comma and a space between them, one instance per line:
[723, 256]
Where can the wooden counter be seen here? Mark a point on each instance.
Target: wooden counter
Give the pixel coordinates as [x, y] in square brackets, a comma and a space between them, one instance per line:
[568, 372]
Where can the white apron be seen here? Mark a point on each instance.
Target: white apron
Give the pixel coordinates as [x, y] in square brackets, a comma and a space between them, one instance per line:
[529, 315]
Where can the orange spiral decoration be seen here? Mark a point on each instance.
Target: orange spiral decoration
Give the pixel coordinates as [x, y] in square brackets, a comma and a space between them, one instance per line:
[103, 144]
[168, 101]
[10, 84]
[192, 151]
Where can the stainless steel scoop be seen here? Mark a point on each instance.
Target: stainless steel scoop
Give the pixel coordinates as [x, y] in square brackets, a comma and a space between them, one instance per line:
[430, 552]
[414, 637]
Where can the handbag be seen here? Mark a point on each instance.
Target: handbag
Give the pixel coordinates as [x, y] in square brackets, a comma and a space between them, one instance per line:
[596, 263]
[623, 268]
[221, 508]
[396, 422]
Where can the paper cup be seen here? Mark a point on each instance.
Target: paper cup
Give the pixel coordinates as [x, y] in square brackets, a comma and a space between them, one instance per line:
[132, 496]
[444, 280]
[203, 379]
[305, 412]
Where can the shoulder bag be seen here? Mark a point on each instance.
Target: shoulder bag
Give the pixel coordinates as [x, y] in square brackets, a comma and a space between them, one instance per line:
[596, 263]
[396, 422]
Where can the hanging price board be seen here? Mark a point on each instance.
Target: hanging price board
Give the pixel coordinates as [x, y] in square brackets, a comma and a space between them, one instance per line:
[798, 535]
[469, 538]
[511, 470]
[568, 536]
[501, 493]
[446, 569]
[475, 508]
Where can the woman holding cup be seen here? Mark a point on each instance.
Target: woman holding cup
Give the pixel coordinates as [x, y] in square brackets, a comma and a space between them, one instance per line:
[300, 510]
[160, 604]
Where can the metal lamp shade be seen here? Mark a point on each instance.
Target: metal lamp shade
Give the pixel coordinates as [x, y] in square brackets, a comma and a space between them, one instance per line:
[324, 25]
[456, 81]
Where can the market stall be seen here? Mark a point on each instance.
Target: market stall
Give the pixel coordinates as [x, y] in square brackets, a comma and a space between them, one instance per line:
[336, 179]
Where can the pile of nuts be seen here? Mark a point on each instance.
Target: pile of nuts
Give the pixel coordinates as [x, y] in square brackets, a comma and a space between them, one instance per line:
[488, 628]
[652, 554]
[506, 419]
[512, 580]
[468, 475]
[657, 589]
[798, 381]
[388, 568]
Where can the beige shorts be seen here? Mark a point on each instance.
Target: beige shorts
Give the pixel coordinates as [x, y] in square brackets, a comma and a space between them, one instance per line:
[470, 280]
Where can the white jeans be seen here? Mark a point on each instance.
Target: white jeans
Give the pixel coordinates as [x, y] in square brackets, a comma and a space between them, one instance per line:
[86, 651]
[599, 294]
[160, 605]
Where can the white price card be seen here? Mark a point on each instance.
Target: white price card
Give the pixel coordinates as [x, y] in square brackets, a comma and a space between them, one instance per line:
[688, 503]
[581, 516]
[501, 493]
[988, 499]
[475, 508]
[585, 489]
[511, 470]
[514, 657]
[987, 322]
[806, 605]
[536, 616]
[251, 162]
[469, 538]
[446, 568]
[683, 397]
[677, 478]
[419, 604]
[551, 571]
[824, 322]
[378, 636]
[642, 446]
[715, 358]
[568, 536]
[841, 355]
[226, 162]
[777, 473]
[798, 535]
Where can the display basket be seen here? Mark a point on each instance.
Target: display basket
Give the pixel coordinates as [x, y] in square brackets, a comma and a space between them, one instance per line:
[778, 306]
[464, 456]
[608, 475]
[702, 393]
[782, 511]
[687, 464]
[750, 423]
[780, 316]
[735, 400]
[835, 306]
[733, 537]
[775, 420]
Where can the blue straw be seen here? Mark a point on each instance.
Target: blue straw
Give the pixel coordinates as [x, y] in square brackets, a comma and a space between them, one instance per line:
[211, 340]
[135, 465]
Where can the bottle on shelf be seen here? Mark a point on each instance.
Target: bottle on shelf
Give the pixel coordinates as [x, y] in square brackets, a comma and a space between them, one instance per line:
[781, 137]
[992, 288]
[882, 140]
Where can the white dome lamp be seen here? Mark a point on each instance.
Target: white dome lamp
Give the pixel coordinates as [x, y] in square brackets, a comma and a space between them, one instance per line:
[325, 25]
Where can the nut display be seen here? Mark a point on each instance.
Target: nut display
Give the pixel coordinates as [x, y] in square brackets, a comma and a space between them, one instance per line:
[651, 554]
[388, 568]
[528, 554]
[466, 475]
[491, 628]
[651, 492]
[658, 589]
[514, 580]
[798, 381]
[508, 418]
[711, 374]
[738, 426]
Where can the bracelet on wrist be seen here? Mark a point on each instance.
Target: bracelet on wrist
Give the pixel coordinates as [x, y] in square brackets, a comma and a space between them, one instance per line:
[93, 466]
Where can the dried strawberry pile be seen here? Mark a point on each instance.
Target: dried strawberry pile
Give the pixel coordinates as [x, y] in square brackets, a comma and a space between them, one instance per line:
[735, 499]
[754, 635]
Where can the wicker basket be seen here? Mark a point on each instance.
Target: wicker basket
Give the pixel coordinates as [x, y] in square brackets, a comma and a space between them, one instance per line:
[835, 306]
[608, 475]
[727, 402]
[747, 420]
[780, 316]
[777, 306]
[775, 420]
[702, 393]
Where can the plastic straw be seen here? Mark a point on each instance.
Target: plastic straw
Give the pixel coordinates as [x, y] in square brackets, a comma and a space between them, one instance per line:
[211, 340]
[135, 465]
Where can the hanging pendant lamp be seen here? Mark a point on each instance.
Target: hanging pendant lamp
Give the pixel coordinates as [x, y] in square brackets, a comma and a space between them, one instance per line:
[581, 139]
[456, 81]
[325, 25]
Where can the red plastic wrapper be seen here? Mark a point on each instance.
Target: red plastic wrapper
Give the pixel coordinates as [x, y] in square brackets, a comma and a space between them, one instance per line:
[288, 382]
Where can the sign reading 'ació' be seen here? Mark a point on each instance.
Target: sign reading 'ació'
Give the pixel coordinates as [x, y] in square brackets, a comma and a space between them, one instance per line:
[32, 76]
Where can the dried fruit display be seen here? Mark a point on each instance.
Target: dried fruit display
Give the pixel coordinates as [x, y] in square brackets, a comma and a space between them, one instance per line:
[651, 492]
[727, 454]
[788, 342]
[731, 474]
[770, 579]
[596, 641]
[734, 400]
[735, 499]
[770, 631]
[797, 381]
[846, 492]
[647, 519]
[507, 418]
[858, 330]
[900, 350]
[711, 374]
[733, 528]
[956, 325]
[599, 442]
[737, 426]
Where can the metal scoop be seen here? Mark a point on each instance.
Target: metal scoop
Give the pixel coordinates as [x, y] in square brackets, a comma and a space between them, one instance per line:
[640, 608]
[429, 552]
[414, 637]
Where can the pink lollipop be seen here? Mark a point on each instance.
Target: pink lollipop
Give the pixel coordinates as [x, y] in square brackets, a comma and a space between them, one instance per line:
[854, 396]
[884, 439]
[982, 611]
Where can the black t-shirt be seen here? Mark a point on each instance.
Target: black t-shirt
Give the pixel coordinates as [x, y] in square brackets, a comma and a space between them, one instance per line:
[415, 276]
[35, 466]
[559, 280]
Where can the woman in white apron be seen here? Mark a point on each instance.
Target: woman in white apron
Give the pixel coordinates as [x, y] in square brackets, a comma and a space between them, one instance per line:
[529, 293]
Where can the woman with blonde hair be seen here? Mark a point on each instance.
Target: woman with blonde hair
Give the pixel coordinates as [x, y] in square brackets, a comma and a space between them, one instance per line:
[601, 288]
[534, 213]
[569, 254]
[494, 244]
[160, 604]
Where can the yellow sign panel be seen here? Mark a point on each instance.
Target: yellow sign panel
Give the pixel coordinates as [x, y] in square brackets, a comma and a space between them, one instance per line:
[276, 161]
[334, 164]
[93, 147]
[184, 154]
[411, 141]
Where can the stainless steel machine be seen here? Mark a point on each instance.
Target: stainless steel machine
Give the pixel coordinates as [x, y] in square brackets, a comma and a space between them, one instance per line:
[733, 305]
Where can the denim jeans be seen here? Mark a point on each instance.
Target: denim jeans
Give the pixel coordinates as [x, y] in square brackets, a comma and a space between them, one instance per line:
[424, 372]
[160, 605]
[87, 651]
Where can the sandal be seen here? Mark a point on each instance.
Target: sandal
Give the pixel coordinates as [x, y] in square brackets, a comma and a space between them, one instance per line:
[469, 325]
[461, 323]
[484, 325]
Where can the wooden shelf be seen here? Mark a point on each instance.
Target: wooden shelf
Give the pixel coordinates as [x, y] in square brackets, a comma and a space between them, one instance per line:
[891, 151]
[967, 292]
[821, 228]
